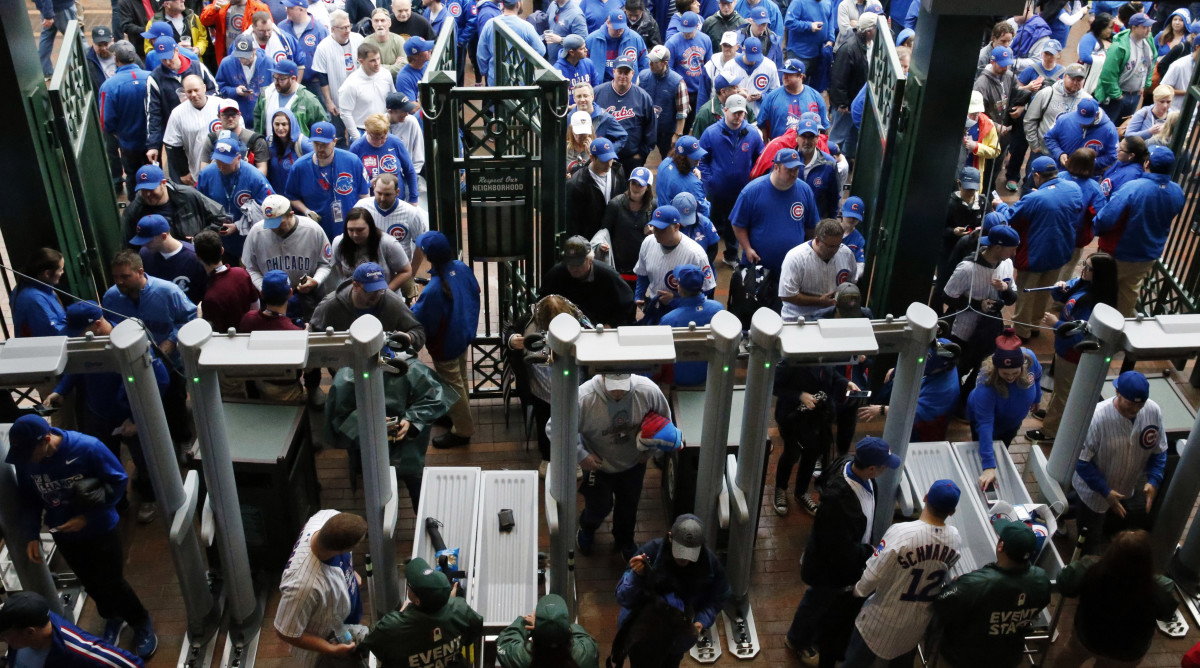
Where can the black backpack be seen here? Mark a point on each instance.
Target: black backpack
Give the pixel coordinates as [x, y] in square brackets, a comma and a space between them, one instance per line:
[750, 289]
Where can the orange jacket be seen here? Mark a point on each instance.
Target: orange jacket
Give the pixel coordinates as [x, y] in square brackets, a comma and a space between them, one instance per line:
[213, 17]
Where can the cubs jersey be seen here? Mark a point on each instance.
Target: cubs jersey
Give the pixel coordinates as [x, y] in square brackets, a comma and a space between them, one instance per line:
[763, 78]
[1120, 448]
[403, 221]
[187, 123]
[337, 61]
[804, 272]
[902, 578]
[304, 252]
[658, 264]
[974, 281]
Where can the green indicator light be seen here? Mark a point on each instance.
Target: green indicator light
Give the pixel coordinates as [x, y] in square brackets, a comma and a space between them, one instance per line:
[131, 379]
[920, 360]
[195, 379]
[566, 372]
[767, 365]
[366, 374]
[1107, 360]
[725, 369]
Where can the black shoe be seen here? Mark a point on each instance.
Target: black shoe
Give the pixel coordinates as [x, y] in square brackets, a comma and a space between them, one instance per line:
[1039, 413]
[444, 421]
[1038, 436]
[449, 440]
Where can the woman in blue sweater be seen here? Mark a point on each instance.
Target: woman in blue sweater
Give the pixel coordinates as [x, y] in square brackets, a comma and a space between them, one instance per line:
[35, 308]
[1009, 386]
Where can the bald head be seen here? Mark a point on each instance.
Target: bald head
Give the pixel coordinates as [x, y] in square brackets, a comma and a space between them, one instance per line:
[193, 88]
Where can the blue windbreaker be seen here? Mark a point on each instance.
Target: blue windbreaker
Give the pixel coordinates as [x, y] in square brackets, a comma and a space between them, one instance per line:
[1047, 219]
[1139, 216]
[450, 325]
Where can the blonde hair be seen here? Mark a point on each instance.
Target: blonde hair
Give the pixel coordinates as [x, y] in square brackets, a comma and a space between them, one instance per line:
[579, 142]
[988, 376]
[1164, 92]
[1168, 129]
[377, 124]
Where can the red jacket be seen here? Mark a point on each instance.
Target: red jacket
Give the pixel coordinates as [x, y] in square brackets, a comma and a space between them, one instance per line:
[785, 140]
[213, 17]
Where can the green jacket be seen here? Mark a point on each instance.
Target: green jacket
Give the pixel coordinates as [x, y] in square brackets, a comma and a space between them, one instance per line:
[512, 647]
[1107, 87]
[710, 113]
[305, 107]
[986, 614]
[418, 396]
[411, 638]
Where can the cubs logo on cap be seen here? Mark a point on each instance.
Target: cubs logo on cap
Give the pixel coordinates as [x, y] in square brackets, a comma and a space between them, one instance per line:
[758, 15]
[690, 21]
[323, 132]
[617, 19]
[149, 177]
[665, 216]
[275, 207]
[165, 45]
[225, 151]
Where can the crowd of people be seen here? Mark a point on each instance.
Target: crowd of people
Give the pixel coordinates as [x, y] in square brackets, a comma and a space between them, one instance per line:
[272, 155]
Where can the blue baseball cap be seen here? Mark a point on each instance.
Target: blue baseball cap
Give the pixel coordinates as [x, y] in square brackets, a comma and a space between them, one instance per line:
[792, 66]
[1140, 19]
[904, 36]
[1193, 27]
[370, 276]
[416, 45]
[665, 216]
[814, 117]
[935, 362]
[149, 177]
[690, 21]
[616, 19]
[1001, 235]
[943, 496]
[626, 62]
[1043, 164]
[758, 15]
[158, 29]
[165, 45]
[436, 246]
[323, 132]
[1133, 386]
[295, 3]
[685, 202]
[788, 157]
[1052, 46]
[808, 127]
[602, 149]
[1161, 159]
[872, 451]
[723, 80]
[752, 50]
[969, 178]
[80, 315]
[993, 219]
[690, 277]
[1003, 56]
[853, 208]
[689, 147]
[642, 175]
[833, 149]
[148, 228]
[25, 434]
[286, 67]
[226, 150]
[1086, 111]
[275, 286]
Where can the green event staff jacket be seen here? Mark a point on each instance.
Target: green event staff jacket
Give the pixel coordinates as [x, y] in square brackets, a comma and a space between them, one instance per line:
[411, 638]
[987, 613]
[512, 647]
[417, 396]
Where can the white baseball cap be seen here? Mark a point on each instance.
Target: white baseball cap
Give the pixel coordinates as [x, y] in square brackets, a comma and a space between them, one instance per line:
[735, 102]
[581, 123]
[976, 104]
[730, 38]
[659, 54]
[617, 382]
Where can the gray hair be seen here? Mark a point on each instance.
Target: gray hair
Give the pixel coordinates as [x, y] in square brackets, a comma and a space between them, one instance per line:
[826, 228]
[124, 52]
[338, 14]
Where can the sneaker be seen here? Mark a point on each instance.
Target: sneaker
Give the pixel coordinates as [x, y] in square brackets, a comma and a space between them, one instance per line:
[145, 640]
[781, 504]
[1039, 413]
[1038, 436]
[542, 469]
[147, 512]
[1010, 186]
[112, 631]
[448, 440]
[809, 504]
[585, 540]
[807, 656]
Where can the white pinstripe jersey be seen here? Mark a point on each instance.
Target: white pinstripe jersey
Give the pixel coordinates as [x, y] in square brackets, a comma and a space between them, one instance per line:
[315, 596]
[905, 574]
[405, 222]
[764, 78]
[658, 263]
[805, 272]
[974, 281]
[187, 123]
[1119, 447]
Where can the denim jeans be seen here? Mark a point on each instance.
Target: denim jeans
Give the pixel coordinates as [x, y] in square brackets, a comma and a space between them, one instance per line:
[46, 39]
[843, 133]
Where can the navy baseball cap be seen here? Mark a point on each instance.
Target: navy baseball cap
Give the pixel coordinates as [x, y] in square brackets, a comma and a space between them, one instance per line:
[1133, 386]
[149, 177]
[323, 132]
[626, 62]
[101, 35]
[80, 315]
[398, 100]
[792, 66]
[1008, 358]
[723, 81]
[286, 67]
[1161, 159]
[243, 45]
[808, 127]
[665, 216]
[685, 202]
[1003, 56]
[690, 21]
[642, 175]
[689, 147]
[616, 19]
[436, 246]
[1086, 111]
[758, 15]
[788, 157]
[148, 228]
[602, 149]
[1043, 164]
[416, 45]
[276, 286]
[1140, 19]
[370, 276]
[24, 610]
[165, 45]
[690, 277]
[26, 432]
[943, 496]
[853, 208]
[158, 29]
[872, 451]
[226, 150]
[1001, 235]
[969, 178]
[993, 219]
[752, 50]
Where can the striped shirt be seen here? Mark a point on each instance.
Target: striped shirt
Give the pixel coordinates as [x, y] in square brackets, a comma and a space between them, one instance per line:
[1120, 448]
[804, 272]
[315, 596]
[658, 264]
[187, 125]
[403, 221]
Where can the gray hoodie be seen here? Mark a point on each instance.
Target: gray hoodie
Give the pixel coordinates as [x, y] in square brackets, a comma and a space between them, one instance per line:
[338, 311]
[1047, 105]
[609, 429]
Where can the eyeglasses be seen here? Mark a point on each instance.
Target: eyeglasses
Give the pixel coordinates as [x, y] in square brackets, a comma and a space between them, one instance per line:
[341, 28]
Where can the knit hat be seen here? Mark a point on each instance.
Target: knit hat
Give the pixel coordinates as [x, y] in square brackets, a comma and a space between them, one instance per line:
[658, 432]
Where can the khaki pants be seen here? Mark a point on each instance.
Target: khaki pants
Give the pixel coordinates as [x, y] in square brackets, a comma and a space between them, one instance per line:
[409, 289]
[1129, 283]
[1070, 269]
[1031, 306]
[288, 393]
[1064, 378]
[454, 374]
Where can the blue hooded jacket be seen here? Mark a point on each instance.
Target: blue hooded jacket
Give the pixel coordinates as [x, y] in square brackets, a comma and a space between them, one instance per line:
[604, 125]
[52, 495]
[774, 15]
[999, 417]
[1067, 135]
[823, 179]
[1028, 35]
[583, 72]
[596, 12]
[36, 311]
[72, 647]
[801, 15]
[450, 325]
[670, 183]
[1072, 310]
[725, 170]
[1047, 219]
[279, 167]
[230, 75]
[1118, 175]
[604, 52]
[1140, 215]
[123, 107]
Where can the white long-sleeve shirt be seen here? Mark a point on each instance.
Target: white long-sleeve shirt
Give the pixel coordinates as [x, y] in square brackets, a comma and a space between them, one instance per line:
[362, 95]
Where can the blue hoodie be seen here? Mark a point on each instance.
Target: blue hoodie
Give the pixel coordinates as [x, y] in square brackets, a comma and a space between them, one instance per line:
[801, 15]
[604, 51]
[36, 311]
[688, 57]
[604, 125]
[450, 325]
[1067, 135]
[123, 107]
[596, 12]
[725, 170]
[584, 72]
[670, 183]
[1034, 30]
[1072, 310]
[1140, 215]
[685, 310]
[938, 396]
[279, 167]
[46, 487]
[823, 179]
[231, 74]
[1047, 219]
[774, 15]
[1118, 175]
[999, 417]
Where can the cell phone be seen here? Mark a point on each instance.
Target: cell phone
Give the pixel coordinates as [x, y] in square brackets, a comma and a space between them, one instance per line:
[992, 494]
[506, 519]
[858, 394]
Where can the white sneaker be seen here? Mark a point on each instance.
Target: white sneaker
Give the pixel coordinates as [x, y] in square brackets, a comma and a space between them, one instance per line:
[781, 502]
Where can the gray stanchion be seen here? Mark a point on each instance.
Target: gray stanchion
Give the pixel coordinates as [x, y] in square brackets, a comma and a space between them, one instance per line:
[1173, 517]
[564, 432]
[34, 575]
[921, 330]
[1107, 325]
[718, 393]
[129, 341]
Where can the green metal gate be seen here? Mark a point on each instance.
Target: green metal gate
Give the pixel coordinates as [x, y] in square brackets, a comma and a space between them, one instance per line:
[486, 151]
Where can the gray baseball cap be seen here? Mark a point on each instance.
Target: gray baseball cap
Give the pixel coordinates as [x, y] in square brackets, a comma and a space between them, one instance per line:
[687, 537]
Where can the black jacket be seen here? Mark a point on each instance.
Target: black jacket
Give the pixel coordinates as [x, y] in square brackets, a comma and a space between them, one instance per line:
[793, 379]
[133, 19]
[648, 29]
[194, 213]
[606, 300]
[835, 555]
[626, 228]
[585, 202]
[849, 73]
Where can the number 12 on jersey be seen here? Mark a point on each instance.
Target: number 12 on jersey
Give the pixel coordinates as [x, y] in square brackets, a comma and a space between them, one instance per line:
[933, 585]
